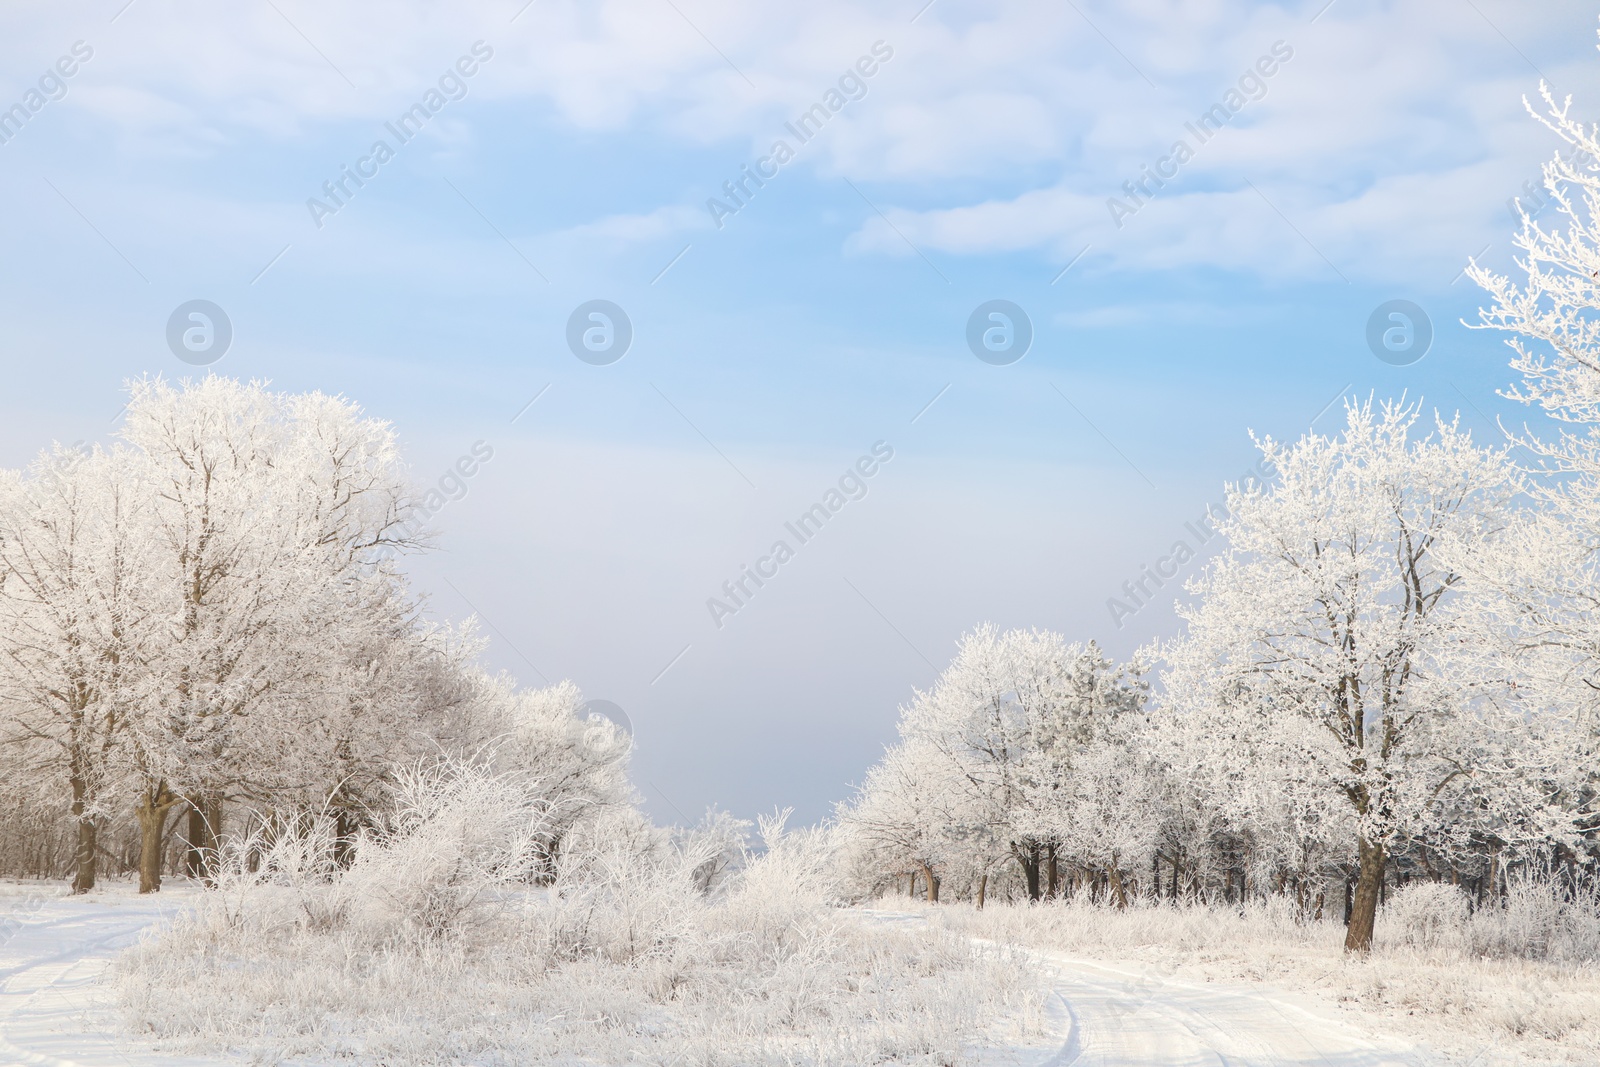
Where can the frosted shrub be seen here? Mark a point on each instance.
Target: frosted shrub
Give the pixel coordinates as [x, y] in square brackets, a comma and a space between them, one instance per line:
[1425, 915]
[445, 941]
[1545, 915]
[618, 896]
[793, 874]
[460, 837]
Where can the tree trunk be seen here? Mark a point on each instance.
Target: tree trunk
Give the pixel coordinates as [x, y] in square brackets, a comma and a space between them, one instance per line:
[1029, 860]
[344, 850]
[1052, 872]
[84, 872]
[1364, 906]
[1114, 876]
[205, 818]
[933, 884]
[153, 807]
[983, 888]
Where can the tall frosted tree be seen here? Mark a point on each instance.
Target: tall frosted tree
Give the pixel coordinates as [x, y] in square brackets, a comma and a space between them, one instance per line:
[1326, 636]
[1547, 578]
[75, 625]
[267, 511]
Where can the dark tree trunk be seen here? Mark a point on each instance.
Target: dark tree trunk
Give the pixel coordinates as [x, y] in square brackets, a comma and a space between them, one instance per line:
[152, 810]
[1364, 907]
[933, 884]
[1028, 859]
[1052, 872]
[1118, 893]
[983, 888]
[205, 826]
[344, 851]
[84, 865]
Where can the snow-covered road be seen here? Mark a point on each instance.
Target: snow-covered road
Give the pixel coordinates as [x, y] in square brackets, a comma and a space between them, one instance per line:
[56, 1010]
[1128, 1016]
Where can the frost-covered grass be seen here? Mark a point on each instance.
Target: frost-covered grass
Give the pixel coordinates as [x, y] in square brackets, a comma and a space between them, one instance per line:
[1518, 985]
[427, 950]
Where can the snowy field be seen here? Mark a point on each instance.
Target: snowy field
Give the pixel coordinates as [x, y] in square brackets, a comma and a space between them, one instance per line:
[1258, 997]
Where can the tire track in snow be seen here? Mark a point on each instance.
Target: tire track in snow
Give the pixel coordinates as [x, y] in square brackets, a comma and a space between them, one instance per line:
[1124, 1019]
[51, 988]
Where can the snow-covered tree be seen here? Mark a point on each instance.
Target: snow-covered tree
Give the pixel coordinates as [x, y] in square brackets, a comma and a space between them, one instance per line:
[1327, 636]
[268, 508]
[210, 616]
[581, 762]
[1547, 576]
[902, 815]
[75, 623]
[982, 773]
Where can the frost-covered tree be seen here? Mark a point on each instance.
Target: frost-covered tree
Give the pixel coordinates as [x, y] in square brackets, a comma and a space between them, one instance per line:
[210, 616]
[1326, 638]
[1547, 578]
[901, 816]
[75, 623]
[267, 510]
[982, 773]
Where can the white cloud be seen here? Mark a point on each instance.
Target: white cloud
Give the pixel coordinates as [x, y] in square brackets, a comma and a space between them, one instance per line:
[1006, 125]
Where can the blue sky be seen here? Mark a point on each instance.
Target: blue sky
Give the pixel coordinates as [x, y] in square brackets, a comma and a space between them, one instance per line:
[820, 318]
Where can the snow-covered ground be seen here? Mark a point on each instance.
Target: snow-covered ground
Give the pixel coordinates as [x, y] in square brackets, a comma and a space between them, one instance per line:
[57, 1010]
[1445, 1004]
[1127, 1016]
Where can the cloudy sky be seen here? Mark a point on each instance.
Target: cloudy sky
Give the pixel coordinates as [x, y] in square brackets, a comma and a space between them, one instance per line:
[1335, 157]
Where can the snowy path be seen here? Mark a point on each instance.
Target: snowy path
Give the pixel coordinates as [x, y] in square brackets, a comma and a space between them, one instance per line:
[1120, 1016]
[55, 1011]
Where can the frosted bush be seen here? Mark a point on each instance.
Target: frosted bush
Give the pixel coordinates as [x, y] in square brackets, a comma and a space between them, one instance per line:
[445, 942]
[1544, 915]
[460, 836]
[1425, 915]
[617, 897]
